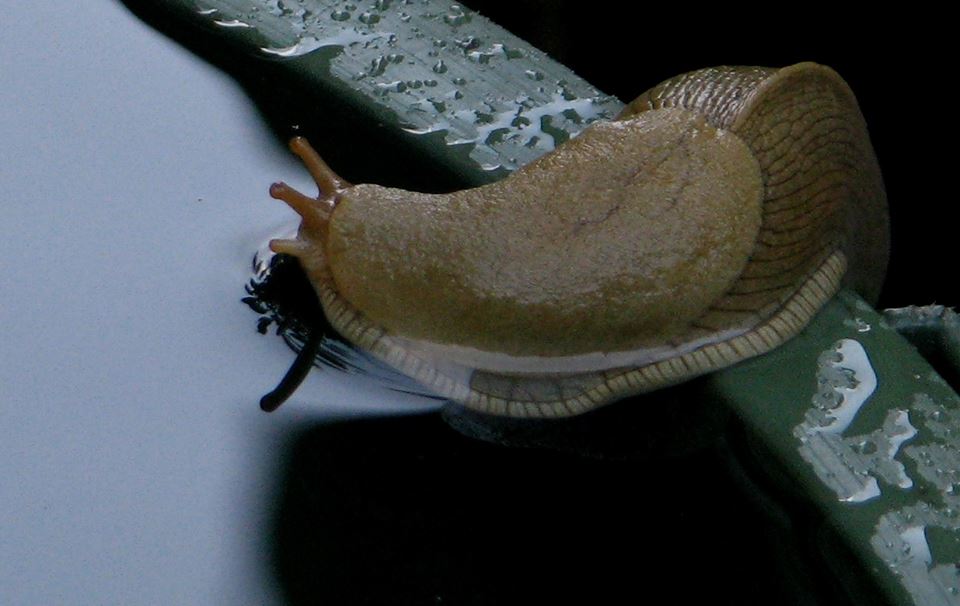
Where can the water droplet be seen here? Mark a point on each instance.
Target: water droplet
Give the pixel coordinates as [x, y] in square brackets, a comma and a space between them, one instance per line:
[382, 5]
[534, 74]
[340, 15]
[459, 81]
[483, 118]
[509, 53]
[232, 23]
[369, 18]
[481, 57]
[397, 86]
[378, 66]
[572, 115]
[829, 356]
[827, 399]
[440, 67]
[455, 16]
[469, 43]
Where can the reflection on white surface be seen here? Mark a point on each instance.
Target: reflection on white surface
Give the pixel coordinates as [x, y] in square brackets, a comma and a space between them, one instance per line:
[137, 467]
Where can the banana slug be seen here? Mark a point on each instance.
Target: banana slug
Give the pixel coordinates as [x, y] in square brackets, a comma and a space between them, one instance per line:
[707, 224]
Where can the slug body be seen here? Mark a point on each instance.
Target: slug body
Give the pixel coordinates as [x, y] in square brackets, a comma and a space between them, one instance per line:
[706, 225]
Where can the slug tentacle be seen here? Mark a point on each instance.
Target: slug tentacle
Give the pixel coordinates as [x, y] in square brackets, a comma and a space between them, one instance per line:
[707, 225]
[294, 248]
[329, 182]
[315, 213]
[310, 245]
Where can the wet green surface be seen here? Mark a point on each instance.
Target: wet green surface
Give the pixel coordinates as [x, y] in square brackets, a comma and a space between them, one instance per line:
[852, 475]
[441, 81]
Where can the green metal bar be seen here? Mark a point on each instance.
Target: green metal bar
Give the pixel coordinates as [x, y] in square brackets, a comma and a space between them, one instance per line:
[850, 417]
[444, 81]
[847, 418]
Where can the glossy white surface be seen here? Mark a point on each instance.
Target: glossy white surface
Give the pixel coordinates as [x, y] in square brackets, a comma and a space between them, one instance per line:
[136, 465]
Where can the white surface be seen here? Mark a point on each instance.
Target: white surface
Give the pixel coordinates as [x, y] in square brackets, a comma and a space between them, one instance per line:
[136, 466]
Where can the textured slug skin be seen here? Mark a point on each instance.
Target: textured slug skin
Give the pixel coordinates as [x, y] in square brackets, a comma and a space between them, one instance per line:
[708, 225]
[823, 188]
[619, 240]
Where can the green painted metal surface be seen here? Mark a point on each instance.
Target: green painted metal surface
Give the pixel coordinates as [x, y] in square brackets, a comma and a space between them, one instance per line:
[450, 84]
[850, 417]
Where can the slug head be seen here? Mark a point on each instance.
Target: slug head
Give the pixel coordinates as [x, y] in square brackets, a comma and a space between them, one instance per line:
[315, 213]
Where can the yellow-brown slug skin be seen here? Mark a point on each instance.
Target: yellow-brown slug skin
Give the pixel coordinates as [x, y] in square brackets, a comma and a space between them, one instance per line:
[706, 225]
[616, 241]
[821, 175]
